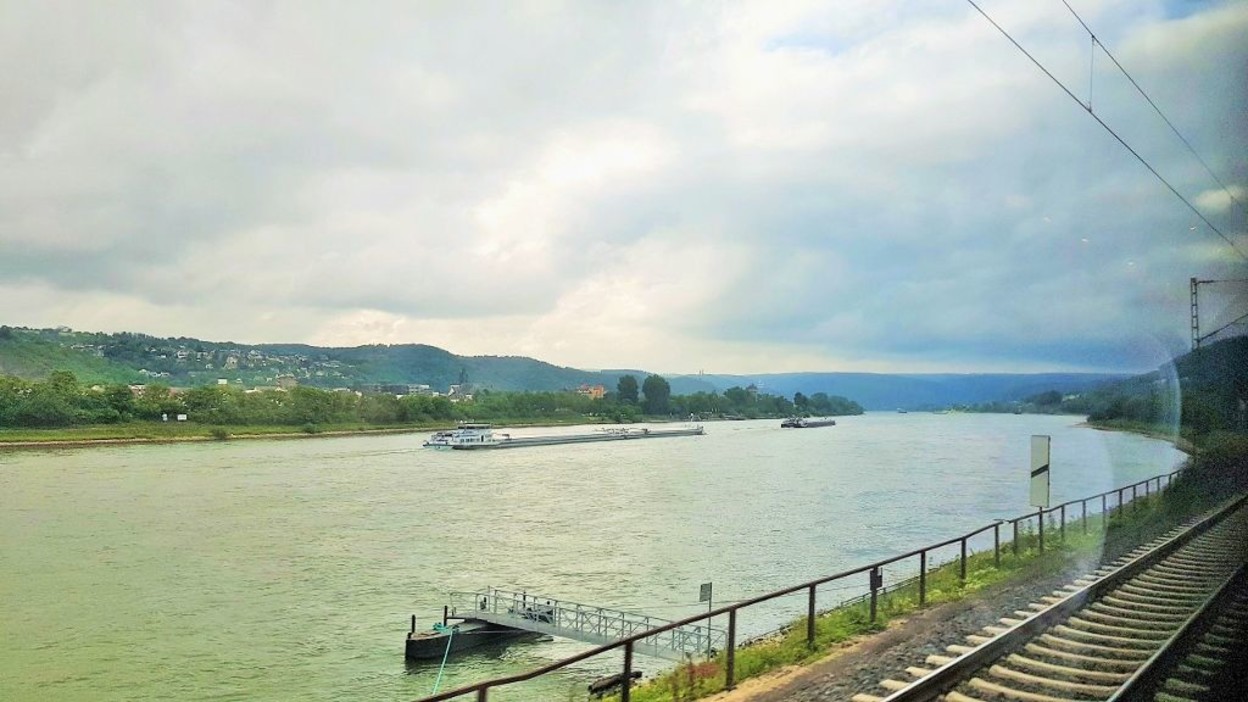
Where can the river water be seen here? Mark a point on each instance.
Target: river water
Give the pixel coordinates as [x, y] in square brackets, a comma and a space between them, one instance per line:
[275, 570]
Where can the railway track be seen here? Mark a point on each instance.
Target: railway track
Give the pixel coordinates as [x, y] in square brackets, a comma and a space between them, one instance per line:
[1166, 622]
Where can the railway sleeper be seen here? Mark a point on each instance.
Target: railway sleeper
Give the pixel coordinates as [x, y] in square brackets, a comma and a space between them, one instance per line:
[1128, 601]
[1149, 597]
[1127, 631]
[1186, 584]
[1201, 582]
[1067, 672]
[955, 696]
[1187, 570]
[1100, 662]
[1120, 620]
[1002, 691]
[1135, 654]
[1164, 696]
[1047, 683]
[1125, 613]
[1105, 639]
[1187, 689]
[1160, 597]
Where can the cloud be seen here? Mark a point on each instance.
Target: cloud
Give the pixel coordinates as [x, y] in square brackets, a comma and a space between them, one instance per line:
[740, 187]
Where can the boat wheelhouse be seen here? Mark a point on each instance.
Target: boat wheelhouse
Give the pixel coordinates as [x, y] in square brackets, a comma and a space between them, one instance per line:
[466, 434]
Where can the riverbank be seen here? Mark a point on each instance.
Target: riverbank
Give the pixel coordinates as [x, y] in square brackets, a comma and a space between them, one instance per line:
[1152, 431]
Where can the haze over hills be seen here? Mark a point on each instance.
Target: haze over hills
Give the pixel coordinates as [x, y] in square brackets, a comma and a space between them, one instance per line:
[139, 358]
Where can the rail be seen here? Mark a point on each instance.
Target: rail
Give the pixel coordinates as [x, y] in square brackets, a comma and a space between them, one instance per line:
[875, 583]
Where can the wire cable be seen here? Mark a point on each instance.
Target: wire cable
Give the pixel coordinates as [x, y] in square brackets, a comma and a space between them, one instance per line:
[1096, 41]
[1228, 325]
[1109, 129]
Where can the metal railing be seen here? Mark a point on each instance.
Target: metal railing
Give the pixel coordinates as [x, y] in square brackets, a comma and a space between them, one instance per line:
[1111, 502]
[596, 625]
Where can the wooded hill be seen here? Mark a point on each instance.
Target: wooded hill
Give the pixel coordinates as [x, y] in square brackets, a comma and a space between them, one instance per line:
[34, 354]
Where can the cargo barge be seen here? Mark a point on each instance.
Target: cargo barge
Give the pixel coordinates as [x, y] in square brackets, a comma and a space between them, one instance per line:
[806, 423]
[473, 437]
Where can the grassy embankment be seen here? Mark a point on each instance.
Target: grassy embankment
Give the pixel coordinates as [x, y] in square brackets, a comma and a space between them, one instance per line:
[1220, 470]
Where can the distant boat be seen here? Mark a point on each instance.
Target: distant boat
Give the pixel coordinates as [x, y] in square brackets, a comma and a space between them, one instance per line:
[806, 423]
[901, 411]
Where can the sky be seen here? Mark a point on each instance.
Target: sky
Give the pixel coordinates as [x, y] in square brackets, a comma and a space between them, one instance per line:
[726, 187]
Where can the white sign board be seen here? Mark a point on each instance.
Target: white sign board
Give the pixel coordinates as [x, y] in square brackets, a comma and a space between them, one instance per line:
[1040, 471]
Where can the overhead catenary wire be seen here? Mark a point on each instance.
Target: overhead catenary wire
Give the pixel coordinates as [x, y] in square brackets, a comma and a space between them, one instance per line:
[1096, 41]
[1238, 320]
[1111, 131]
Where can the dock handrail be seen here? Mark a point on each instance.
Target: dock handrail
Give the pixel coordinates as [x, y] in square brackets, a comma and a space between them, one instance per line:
[875, 584]
[589, 623]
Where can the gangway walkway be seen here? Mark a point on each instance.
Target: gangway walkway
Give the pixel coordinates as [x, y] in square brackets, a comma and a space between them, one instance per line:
[594, 625]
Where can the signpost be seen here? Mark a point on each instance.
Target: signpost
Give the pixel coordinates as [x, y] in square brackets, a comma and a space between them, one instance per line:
[704, 595]
[1040, 478]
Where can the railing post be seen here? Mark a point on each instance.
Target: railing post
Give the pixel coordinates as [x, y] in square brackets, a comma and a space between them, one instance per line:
[1084, 519]
[1041, 513]
[1120, 500]
[1063, 527]
[627, 682]
[1104, 513]
[871, 579]
[922, 577]
[730, 668]
[810, 619]
[1015, 523]
[482, 693]
[1135, 503]
[996, 545]
[962, 562]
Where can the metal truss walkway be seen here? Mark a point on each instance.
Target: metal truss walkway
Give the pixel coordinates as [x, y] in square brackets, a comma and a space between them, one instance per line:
[594, 625]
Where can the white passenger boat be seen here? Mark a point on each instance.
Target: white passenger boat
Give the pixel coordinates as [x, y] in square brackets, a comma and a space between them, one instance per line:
[466, 434]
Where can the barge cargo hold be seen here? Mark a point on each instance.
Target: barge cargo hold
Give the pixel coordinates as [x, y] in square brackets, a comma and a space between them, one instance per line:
[556, 440]
[473, 437]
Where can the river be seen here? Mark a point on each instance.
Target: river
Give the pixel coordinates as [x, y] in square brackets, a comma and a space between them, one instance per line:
[275, 570]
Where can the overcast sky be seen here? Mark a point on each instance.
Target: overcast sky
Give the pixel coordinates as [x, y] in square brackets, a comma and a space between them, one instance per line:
[729, 187]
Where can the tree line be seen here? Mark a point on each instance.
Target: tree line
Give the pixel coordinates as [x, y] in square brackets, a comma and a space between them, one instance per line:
[62, 401]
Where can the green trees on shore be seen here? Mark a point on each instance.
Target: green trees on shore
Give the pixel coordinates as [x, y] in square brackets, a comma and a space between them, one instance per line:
[62, 401]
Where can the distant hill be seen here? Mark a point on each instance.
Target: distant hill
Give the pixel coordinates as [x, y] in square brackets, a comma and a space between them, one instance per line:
[181, 361]
[877, 391]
